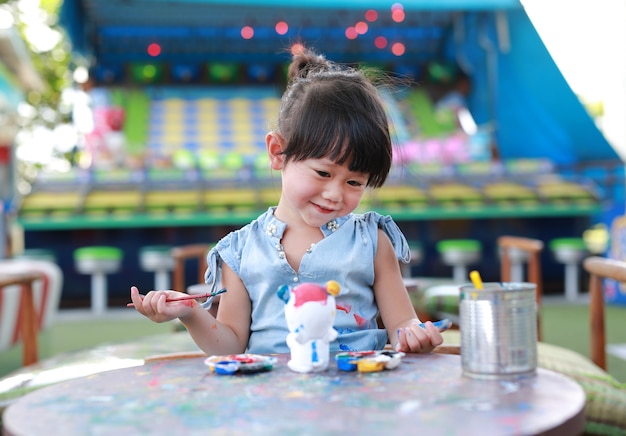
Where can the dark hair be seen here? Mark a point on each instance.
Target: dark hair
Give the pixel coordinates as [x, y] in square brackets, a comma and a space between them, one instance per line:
[335, 111]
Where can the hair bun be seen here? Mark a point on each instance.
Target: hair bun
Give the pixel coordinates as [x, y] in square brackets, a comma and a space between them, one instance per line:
[304, 61]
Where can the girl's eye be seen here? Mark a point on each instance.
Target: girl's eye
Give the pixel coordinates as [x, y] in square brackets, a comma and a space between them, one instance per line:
[355, 183]
[323, 173]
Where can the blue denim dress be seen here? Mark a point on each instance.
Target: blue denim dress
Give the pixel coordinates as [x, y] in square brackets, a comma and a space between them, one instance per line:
[346, 254]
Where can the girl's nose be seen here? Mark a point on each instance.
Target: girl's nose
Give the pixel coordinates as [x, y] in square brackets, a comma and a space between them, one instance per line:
[332, 192]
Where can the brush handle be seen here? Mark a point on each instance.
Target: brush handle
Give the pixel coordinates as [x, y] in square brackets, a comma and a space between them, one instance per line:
[189, 297]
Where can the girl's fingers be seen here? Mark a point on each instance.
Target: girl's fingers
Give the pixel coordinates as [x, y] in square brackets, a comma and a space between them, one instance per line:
[135, 297]
[421, 339]
[434, 334]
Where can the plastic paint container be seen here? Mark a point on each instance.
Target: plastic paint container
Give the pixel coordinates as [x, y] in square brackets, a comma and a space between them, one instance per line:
[498, 330]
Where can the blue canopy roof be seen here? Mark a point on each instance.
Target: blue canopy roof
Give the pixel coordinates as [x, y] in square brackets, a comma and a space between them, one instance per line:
[517, 86]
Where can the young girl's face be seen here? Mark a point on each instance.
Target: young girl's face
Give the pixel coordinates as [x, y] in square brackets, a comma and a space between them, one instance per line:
[319, 190]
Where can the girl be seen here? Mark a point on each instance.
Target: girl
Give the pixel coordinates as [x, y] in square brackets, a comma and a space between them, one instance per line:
[332, 142]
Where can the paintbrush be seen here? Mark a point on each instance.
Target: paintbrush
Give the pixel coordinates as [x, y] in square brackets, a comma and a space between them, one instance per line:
[190, 297]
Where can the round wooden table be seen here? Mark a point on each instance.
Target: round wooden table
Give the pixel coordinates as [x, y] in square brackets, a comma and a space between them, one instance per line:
[425, 394]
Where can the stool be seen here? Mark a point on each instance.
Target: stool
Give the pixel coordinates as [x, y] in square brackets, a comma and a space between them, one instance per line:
[517, 259]
[98, 261]
[569, 251]
[416, 258]
[158, 259]
[459, 253]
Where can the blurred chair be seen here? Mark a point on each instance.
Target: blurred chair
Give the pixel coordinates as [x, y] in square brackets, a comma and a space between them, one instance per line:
[27, 314]
[181, 255]
[30, 293]
[197, 253]
[510, 247]
[600, 268]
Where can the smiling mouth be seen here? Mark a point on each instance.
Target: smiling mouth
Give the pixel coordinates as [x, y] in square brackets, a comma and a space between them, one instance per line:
[323, 209]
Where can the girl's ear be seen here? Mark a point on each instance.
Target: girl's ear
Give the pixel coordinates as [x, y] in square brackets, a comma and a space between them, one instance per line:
[274, 143]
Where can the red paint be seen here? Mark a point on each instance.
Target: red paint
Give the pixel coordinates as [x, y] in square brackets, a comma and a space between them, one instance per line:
[347, 308]
[360, 321]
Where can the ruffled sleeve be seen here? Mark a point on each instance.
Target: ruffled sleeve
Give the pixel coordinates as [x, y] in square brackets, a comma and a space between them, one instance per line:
[226, 251]
[391, 229]
[213, 274]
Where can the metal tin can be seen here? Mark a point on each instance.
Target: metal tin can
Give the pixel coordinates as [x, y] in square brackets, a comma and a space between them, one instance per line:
[498, 330]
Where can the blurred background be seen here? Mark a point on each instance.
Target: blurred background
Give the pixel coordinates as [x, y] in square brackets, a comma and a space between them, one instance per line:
[135, 124]
[133, 128]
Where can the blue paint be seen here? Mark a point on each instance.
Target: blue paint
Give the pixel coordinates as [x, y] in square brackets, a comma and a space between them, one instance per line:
[344, 347]
[226, 367]
[442, 325]
[283, 293]
[314, 357]
[349, 361]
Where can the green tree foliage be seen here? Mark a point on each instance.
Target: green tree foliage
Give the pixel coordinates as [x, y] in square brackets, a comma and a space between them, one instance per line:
[52, 63]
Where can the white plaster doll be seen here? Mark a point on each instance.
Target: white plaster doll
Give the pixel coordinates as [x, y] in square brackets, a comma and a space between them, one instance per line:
[310, 313]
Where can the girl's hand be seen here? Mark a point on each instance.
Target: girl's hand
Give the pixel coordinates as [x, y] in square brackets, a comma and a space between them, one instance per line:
[418, 337]
[153, 305]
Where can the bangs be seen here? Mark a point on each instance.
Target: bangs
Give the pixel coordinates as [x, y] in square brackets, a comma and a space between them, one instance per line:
[345, 131]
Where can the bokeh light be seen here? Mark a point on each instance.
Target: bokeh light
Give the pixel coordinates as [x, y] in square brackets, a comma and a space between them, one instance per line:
[223, 72]
[397, 12]
[351, 32]
[398, 15]
[361, 27]
[281, 27]
[371, 15]
[247, 32]
[380, 42]
[297, 49]
[398, 49]
[154, 49]
[149, 72]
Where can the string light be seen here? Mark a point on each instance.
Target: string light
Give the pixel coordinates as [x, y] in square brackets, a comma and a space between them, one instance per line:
[371, 15]
[397, 12]
[361, 27]
[154, 49]
[247, 32]
[398, 49]
[281, 27]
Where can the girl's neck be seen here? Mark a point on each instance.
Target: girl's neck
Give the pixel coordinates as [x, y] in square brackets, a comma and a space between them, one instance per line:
[298, 237]
[299, 241]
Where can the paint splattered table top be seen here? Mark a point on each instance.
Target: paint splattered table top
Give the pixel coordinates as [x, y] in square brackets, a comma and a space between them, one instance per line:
[425, 394]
